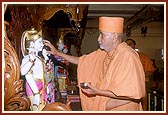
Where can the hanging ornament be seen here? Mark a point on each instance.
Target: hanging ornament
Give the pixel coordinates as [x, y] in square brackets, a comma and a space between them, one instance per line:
[144, 30]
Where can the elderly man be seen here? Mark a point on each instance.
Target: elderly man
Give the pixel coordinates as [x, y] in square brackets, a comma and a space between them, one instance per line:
[114, 75]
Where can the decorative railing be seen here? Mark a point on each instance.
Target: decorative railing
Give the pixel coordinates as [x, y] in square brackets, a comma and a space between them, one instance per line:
[155, 100]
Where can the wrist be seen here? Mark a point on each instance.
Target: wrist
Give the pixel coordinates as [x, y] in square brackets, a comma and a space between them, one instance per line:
[57, 53]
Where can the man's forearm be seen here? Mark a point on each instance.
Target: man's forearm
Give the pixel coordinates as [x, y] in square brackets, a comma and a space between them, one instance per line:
[114, 101]
[71, 59]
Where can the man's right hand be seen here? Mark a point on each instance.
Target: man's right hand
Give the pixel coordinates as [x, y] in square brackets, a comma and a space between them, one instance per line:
[53, 50]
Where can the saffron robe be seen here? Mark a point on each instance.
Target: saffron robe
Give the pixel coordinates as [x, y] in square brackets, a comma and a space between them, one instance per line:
[124, 76]
[146, 62]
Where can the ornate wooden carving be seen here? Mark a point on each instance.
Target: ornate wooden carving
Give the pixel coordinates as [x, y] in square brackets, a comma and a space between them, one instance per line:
[75, 10]
[14, 96]
[46, 11]
[20, 21]
[58, 106]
